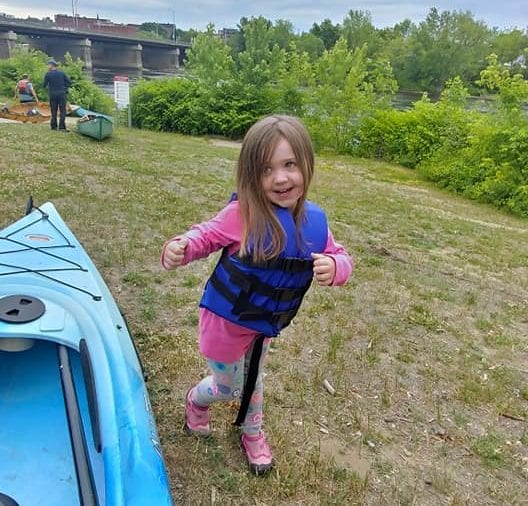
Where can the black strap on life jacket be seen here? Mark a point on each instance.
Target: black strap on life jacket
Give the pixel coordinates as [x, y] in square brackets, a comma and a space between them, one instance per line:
[287, 264]
[251, 379]
[250, 284]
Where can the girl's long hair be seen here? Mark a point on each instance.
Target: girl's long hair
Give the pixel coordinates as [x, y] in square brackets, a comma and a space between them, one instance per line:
[262, 235]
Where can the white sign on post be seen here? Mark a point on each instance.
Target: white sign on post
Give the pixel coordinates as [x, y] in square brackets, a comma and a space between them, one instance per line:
[122, 95]
[121, 91]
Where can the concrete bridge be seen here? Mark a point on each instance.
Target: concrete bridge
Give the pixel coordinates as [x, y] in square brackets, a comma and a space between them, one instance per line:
[95, 49]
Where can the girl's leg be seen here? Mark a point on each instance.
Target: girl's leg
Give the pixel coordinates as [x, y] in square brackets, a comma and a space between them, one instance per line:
[223, 384]
[254, 443]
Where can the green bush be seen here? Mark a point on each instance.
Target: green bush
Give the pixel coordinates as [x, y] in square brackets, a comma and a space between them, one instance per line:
[23, 62]
[196, 108]
[232, 108]
[481, 155]
[412, 137]
[492, 168]
[166, 104]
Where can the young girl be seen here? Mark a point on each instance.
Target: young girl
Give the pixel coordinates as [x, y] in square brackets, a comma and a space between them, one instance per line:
[274, 242]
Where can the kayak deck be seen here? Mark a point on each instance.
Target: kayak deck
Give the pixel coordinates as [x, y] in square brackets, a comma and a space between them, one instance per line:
[34, 430]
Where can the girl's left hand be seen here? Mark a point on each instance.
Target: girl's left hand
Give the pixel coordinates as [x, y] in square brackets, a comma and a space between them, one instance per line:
[324, 269]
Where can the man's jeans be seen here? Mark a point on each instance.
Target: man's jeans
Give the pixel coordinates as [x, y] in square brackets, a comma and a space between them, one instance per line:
[58, 102]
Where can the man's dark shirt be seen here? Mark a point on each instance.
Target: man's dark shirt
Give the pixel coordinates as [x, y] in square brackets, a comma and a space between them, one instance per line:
[57, 81]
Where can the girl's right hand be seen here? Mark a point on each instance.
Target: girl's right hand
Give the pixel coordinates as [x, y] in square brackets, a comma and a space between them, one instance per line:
[174, 253]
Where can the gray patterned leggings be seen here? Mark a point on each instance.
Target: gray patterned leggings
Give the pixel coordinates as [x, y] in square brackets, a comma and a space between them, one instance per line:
[225, 383]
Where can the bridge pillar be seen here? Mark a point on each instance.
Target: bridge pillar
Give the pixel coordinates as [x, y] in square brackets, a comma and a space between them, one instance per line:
[161, 59]
[137, 56]
[57, 47]
[117, 55]
[7, 44]
[82, 49]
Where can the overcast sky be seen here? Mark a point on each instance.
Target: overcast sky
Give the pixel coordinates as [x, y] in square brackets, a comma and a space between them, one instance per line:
[303, 13]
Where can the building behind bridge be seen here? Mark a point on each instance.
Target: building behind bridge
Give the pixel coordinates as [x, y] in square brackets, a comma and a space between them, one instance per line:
[95, 25]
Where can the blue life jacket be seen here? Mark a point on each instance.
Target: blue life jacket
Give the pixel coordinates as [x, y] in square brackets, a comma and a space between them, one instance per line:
[265, 296]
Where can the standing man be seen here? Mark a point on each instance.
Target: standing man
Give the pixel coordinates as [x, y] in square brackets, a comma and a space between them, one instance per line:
[24, 90]
[58, 83]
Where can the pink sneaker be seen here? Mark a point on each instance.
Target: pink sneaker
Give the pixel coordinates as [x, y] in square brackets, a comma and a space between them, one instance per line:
[196, 417]
[258, 453]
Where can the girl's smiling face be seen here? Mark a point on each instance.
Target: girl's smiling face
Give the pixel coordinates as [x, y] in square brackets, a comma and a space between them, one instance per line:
[282, 178]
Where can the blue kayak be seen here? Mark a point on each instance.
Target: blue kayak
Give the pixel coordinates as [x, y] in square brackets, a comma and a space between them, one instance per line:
[76, 426]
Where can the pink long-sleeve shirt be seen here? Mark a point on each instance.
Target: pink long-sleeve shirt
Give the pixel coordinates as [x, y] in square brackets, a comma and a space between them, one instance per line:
[220, 339]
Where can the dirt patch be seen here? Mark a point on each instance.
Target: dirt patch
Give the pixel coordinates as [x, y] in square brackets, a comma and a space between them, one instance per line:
[345, 457]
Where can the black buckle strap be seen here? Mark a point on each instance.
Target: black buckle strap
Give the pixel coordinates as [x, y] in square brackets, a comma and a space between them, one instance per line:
[251, 379]
[246, 311]
[280, 319]
[250, 283]
[287, 264]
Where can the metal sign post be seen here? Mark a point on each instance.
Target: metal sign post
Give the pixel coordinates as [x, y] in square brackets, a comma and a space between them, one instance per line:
[122, 95]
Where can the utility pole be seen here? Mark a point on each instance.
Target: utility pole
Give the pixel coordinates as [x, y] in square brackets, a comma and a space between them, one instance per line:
[173, 25]
[75, 14]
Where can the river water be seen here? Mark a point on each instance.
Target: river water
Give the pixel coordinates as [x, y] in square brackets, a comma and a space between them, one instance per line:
[104, 78]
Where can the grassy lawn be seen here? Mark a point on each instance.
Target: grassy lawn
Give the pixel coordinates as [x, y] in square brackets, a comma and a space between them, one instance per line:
[426, 347]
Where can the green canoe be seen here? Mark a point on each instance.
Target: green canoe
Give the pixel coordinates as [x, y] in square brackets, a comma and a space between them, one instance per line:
[98, 127]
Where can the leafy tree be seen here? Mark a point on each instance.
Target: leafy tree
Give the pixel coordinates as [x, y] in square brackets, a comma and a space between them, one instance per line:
[393, 39]
[402, 29]
[327, 32]
[296, 76]
[311, 45]
[236, 42]
[282, 33]
[185, 35]
[335, 65]
[509, 45]
[444, 45]
[454, 94]
[258, 37]
[512, 90]
[209, 58]
[359, 30]
[345, 92]
[261, 61]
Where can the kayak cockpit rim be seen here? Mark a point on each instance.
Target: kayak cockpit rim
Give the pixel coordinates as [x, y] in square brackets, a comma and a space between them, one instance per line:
[83, 468]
